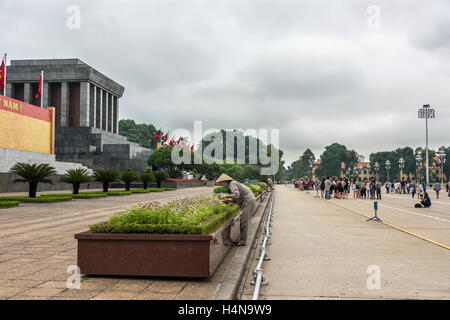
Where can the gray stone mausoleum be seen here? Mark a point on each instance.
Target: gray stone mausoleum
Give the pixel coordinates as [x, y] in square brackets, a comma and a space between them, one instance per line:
[86, 111]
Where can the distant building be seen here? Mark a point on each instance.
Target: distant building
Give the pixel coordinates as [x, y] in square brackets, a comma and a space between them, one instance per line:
[86, 104]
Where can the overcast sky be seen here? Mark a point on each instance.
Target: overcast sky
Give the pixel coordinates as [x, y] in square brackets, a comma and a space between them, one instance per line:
[320, 71]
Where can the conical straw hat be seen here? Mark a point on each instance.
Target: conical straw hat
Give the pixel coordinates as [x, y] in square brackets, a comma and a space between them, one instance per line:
[224, 178]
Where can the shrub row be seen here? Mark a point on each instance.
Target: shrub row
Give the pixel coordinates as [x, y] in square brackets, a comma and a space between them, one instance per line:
[8, 204]
[36, 200]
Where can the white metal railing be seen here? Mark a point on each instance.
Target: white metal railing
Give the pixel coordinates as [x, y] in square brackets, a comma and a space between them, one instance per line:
[259, 279]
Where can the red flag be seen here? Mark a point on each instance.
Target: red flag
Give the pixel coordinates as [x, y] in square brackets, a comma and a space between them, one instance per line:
[40, 88]
[158, 135]
[171, 142]
[165, 137]
[192, 148]
[2, 74]
[178, 142]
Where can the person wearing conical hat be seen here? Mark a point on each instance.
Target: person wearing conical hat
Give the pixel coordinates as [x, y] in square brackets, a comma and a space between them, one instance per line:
[244, 197]
[270, 184]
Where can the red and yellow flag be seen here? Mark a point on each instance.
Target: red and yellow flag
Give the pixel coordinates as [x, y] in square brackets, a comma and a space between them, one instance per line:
[2, 74]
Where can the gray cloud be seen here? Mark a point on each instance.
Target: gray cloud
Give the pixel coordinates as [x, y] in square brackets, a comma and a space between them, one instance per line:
[310, 68]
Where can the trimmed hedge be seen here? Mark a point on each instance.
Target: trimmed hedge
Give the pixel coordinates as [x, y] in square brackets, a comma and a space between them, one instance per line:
[8, 204]
[89, 195]
[36, 200]
[119, 193]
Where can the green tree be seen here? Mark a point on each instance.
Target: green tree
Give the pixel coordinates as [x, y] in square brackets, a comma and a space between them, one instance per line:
[33, 174]
[301, 167]
[76, 177]
[146, 177]
[161, 159]
[332, 158]
[128, 176]
[160, 176]
[106, 177]
[139, 133]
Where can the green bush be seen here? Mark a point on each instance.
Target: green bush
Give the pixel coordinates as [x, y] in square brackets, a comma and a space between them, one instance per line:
[8, 204]
[36, 200]
[90, 195]
[221, 190]
[185, 216]
[170, 189]
[119, 193]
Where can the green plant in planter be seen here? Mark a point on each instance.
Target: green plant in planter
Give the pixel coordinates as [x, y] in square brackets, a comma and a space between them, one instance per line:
[33, 174]
[106, 177]
[146, 177]
[128, 177]
[221, 190]
[160, 176]
[76, 177]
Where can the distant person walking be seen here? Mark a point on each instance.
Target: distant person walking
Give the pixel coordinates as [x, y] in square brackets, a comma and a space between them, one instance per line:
[437, 188]
[327, 188]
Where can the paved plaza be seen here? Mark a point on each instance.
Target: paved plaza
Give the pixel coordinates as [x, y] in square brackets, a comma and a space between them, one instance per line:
[37, 245]
[322, 250]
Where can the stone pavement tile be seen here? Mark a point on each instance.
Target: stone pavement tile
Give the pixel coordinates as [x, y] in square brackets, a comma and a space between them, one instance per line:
[197, 292]
[109, 294]
[155, 296]
[96, 285]
[76, 294]
[8, 292]
[17, 283]
[172, 287]
[42, 292]
[53, 284]
[24, 297]
[131, 285]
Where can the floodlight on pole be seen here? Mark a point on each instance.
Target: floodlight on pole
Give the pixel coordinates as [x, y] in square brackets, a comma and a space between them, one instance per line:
[376, 166]
[442, 155]
[419, 165]
[401, 165]
[388, 167]
[426, 113]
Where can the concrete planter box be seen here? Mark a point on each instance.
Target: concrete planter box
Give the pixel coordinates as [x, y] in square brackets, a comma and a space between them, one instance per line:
[158, 255]
[161, 255]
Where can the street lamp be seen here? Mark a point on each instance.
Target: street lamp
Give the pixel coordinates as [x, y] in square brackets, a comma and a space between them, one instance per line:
[376, 166]
[401, 165]
[419, 165]
[442, 155]
[311, 162]
[388, 167]
[426, 113]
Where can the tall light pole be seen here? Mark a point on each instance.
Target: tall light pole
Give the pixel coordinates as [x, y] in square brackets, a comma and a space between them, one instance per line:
[401, 165]
[441, 155]
[426, 113]
[388, 167]
[311, 162]
[377, 168]
[419, 165]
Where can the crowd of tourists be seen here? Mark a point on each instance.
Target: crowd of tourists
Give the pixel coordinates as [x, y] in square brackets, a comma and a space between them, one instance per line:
[343, 188]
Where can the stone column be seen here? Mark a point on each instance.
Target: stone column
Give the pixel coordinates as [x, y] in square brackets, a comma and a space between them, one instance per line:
[64, 104]
[9, 90]
[111, 113]
[116, 115]
[99, 112]
[93, 106]
[27, 92]
[84, 104]
[105, 111]
[45, 95]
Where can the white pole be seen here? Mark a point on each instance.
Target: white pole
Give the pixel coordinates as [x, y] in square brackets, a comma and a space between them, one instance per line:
[426, 147]
[42, 89]
[4, 80]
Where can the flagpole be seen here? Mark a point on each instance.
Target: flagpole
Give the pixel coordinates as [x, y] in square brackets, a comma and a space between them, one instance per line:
[42, 88]
[4, 80]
